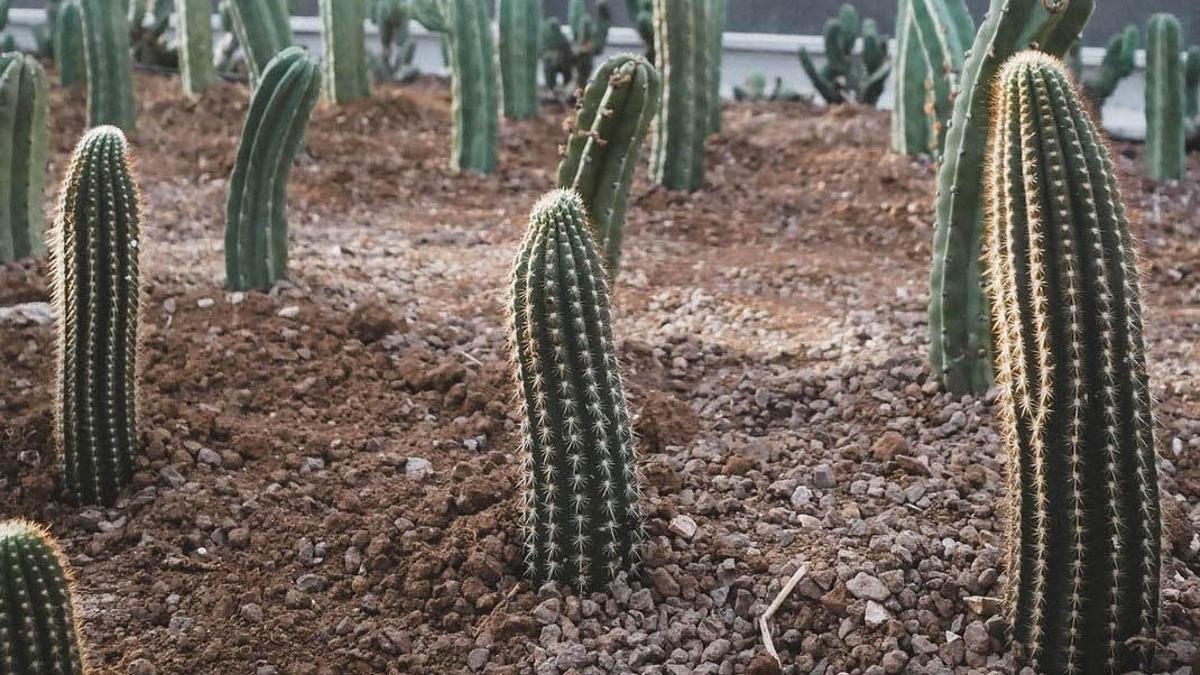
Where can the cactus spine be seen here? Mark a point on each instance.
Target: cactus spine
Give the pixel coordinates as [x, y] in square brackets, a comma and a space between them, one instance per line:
[263, 29]
[910, 123]
[606, 136]
[346, 74]
[944, 29]
[256, 227]
[520, 31]
[69, 51]
[717, 10]
[96, 244]
[39, 630]
[681, 127]
[195, 36]
[1118, 63]
[109, 65]
[582, 523]
[1085, 527]
[24, 144]
[958, 325]
[1166, 158]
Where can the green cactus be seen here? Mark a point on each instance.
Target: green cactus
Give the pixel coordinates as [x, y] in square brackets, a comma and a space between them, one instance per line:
[716, 39]
[1118, 64]
[846, 74]
[39, 628]
[24, 146]
[256, 228]
[1166, 157]
[958, 325]
[1191, 82]
[520, 31]
[910, 128]
[109, 65]
[566, 60]
[602, 148]
[398, 49]
[475, 111]
[945, 30]
[96, 244]
[583, 526]
[681, 127]
[263, 30]
[1085, 526]
[755, 89]
[195, 45]
[346, 74]
[148, 24]
[69, 52]
[641, 14]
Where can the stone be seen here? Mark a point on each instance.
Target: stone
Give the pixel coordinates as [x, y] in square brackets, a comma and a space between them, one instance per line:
[865, 586]
[683, 526]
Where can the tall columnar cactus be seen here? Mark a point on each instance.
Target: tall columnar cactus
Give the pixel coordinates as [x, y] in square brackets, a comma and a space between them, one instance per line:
[195, 37]
[1084, 536]
[911, 127]
[582, 522]
[39, 629]
[717, 9]
[945, 31]
[681, 127]
[1191, 82]
[256, 228]
[520, 32]
[346, 74]
[96, 243]
[959, 350]
[606, 136]
[69, 51]
[109, 65]
[1166, 158]
[24, 127]
[475, 111]
[1118, 63]
[263, 29]
[848, 74]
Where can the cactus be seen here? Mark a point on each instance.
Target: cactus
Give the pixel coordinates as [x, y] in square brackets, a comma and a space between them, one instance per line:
[69, 51]
[1191, 82]
[109, 65]
[1118, 64]
[566, 61]
[944, 29]
[263, 30]
[195, 45]
[681, 126]
[1084, 532]
[256, 212]
[148, 24]
[95, 249]
[958, 324]
[911, 129]
[755, 89]
[520, 30]
[716, 39]
[346, 74]
[641, 14]
[24, 129]
[1166, 158]
[602, 149]
[582, 522]
[475, 112]
[848, 75]
[397, 47]
[39, 629]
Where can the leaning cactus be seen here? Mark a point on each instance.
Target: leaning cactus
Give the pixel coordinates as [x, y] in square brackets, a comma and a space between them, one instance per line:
[195, 45]
[1118, 64]
[1166, 158]
[256, 226]
[958, 325]
[716, 11]
[910, 122]
[606, 136]
[24, 128]
[69, 51]
[263, 29]
[945, 30]
[1084, 539]
[97, 289]
[681, 127]
[39, 630]
[582, 523]
[109, 65]
[848, 75]
[346, 74]
[520, 27]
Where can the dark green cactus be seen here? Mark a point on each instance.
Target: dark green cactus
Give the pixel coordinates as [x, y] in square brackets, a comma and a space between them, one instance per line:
[1118, 64]
[847, 74]
[583, 526]
[716, 39]
[641, 14]
[97, 289]
[69, 52]
[195, 45]
[1191, 82]
[346, 74]
[263, 29]
[256, 228]
[24, 128]
[958, 324]
[911, 128]
[1166, 157]
[109, 65]
[681, 126]
[398, 49]
[148, 24]
[1085, 526]
[567, 61]
[520, 31]
[945, 31]
[606, 135]
[39, 628]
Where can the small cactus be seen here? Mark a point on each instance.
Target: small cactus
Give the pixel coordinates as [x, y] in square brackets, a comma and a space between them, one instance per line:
[681, 127]
[1166, 158]
[69, 51]
[911, 128]
[606, 135]
[256, 252]
[39, 628]
[109, 65]
[195, 45]
[347, 77]
[847, 75]
[582, 522]
[1118, 63]
[97, 290]
[520, 30]
[945, 30]
[263, 29]
[24, 144]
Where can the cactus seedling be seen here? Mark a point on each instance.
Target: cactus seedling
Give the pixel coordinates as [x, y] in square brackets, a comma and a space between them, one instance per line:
[847, 75]
[346, 73]
[1166, 157]
[24, 111]
[520, 30]
[263, 30]
[1118, 63]
[109, 65]
[69, 56]
[195, 45]
[681, 127]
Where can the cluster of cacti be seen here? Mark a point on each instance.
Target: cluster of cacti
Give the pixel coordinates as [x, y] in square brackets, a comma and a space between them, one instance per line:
[39, 629]
[148, 24]
[682, 123]
[959, 337]
[606, 135]
[945, 31]
[95, 247]
[24, 129]
[195, 37]
[849, 74]
[520, 29]
[263, 29]
[109, 63]
[397, 49]
[475, 111]
[1084, 537]
[911, 128]
[1118, 63]
[256, 228]
[1166, 155]
[567, 60]
[582, 522]
[347, 77]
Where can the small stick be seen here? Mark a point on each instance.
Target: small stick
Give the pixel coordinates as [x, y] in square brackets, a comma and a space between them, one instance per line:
[783, 594]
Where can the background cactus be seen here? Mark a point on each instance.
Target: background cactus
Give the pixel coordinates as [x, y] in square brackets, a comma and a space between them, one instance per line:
[582, 523]
[959, 340]
[24, 129]
[717, 10]
[346, 73]
[97, 290]
[148, 24]
[1084, 543]
[194, 30]
[1166, 158]
[602, 148]
[39, 631]
[263, 30]
[520, 35]
[1118, 63]
[911, 129]
[681, 128]
[848, 75]
[397, 48]
[109, 65]
[641, 14]
[570, 60]
[256, 251]
[945, 31]
[69, 52]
